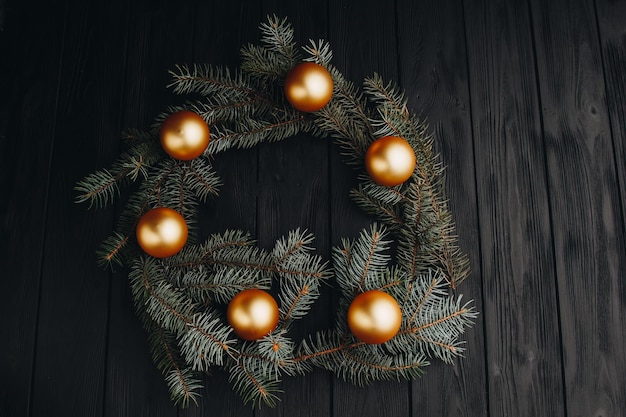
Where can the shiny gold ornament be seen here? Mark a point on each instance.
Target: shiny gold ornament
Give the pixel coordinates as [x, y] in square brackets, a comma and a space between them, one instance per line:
[374, 317]
[252, 314]
[390, 161]
[184, 135]
[308, 87]
[161, 232]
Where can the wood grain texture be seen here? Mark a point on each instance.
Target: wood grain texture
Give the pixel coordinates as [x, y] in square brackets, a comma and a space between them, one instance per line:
[522, 344]
[433, 68]
[293, 192]
[588, 223]
[220, 30]
[527, 101]
[373, 50]
[612, 32]
[73, 310]
[134, 386]
[30, 45]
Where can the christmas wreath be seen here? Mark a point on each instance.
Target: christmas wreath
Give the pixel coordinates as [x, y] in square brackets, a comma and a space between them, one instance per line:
[226, 302]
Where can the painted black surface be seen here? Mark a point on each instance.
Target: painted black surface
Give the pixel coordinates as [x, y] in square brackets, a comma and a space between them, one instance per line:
[526, 100]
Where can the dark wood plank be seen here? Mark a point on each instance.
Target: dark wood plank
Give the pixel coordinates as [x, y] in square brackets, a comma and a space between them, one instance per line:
[363, 36]
[71, 339]
[584, 196]
[522, 333]
[221, 28]
[612, 31]
[433, 64]
[610, 17]
[536, 186]
[159, 35]
[293, 192]
[31, 41]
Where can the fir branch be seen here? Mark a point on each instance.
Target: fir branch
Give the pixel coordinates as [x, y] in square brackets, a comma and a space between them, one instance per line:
[221, 267]
[347, 119]
[320, 52]
[297, 242]
[202, 180]
[171, 309]
[433, 320]
[210, 81]
[429, 241]
[252, 385]
[227, 99]
[184, 386]
[229, 245]
[359, 264]
[111, 250]
[101, 187]
[277, 35]
[379, 201]
[293, 260]
[358, 362]
[299, 278]
[168, 307]
[219, 110]
[247, 260]
[221, 284]
[364, 366]
[183, 383]
[250, 133]
[206, 341]
[323, 351]
[383, 94]
[271, 61]
[296, 300]
[134, 136]
[274, 354]
[395, 119]
[264, 64]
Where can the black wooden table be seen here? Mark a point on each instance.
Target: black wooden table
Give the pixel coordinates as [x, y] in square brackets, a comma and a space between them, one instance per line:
[527, 100]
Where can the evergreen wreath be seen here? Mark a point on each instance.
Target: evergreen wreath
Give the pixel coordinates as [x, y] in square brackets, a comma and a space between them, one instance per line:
[180, 299]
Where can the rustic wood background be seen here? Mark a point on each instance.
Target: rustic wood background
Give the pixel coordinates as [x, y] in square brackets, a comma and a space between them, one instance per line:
[528, 103]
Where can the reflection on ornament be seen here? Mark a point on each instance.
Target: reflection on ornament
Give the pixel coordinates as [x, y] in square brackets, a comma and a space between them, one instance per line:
[374, 317]
[184, 135]
[390, 161]
[252, 314]
[161, 232]
[308, 87]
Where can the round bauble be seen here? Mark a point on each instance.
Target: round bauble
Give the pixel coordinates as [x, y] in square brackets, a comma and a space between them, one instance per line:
[252, 314]
[374, 317]
[308, 87]
[161, 232]
[390, 161]
[184, 135]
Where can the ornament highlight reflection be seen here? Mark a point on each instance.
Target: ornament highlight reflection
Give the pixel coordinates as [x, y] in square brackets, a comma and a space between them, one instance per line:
[308, 87]
[374, 317]
[390, 161]
[161, 232]
[252, 314]
[184, 135]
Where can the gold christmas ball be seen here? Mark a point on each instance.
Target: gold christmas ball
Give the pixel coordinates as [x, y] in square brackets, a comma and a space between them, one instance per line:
[184, 135]
[252, 314]
[374, 317]
[308, 87]
[161, 232]
[390, 161]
